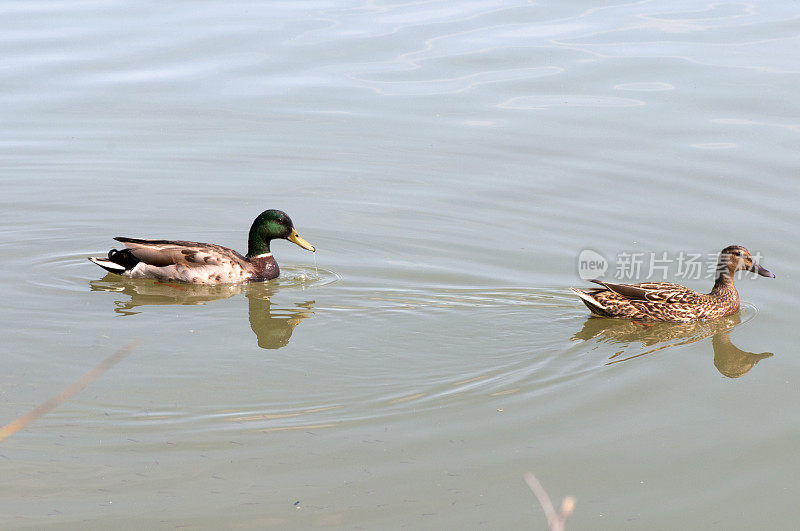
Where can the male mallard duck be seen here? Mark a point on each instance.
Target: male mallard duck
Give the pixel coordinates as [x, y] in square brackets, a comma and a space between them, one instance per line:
[204, 263]
[665, 301]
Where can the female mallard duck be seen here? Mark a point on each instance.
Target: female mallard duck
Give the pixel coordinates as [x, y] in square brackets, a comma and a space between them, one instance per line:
[204, 263]
[664, 301]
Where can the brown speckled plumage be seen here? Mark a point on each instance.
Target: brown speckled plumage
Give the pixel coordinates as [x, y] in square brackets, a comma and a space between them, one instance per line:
[204, 263]
[195, 262]
[665, 301]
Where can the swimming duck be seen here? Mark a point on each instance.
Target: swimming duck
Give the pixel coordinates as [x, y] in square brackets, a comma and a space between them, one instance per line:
[204, 263]
[665, 301]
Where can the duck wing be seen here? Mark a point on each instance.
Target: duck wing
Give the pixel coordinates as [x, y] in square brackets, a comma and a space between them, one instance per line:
[162, 253]
[665, 292]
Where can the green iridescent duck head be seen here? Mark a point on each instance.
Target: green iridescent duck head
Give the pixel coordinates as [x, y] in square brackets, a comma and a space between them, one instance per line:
[272, 225]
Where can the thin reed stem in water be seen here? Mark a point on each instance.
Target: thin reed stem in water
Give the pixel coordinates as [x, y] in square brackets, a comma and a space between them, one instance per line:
[555, 521]
[70, 391]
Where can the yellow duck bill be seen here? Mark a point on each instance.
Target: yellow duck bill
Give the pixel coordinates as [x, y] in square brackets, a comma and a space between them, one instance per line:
[296, 239]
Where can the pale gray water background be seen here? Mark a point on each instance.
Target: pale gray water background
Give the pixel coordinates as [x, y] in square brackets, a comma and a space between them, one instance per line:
[449, 161]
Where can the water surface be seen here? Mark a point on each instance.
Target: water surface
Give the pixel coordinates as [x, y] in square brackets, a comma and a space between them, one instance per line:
[449, 162]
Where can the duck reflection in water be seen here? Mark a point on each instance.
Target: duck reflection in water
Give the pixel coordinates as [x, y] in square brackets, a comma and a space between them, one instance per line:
[729, 360]
[272, 324]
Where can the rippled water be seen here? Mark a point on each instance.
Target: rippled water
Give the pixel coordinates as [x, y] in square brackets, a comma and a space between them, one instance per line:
[449, 162]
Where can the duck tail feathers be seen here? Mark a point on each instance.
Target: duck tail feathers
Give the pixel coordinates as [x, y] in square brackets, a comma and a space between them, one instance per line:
[594, 306]
[107, 264]
[117, 261]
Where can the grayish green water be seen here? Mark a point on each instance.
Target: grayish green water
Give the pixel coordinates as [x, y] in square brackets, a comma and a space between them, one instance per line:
[449, 161]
